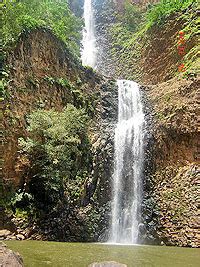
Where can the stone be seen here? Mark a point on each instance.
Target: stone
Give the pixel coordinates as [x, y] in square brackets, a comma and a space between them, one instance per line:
[20, 237]
[142, 229]
[107, 264]
[10, 258]
[4, 233]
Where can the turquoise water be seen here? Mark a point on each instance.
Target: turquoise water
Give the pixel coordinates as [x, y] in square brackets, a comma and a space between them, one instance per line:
[59, 254]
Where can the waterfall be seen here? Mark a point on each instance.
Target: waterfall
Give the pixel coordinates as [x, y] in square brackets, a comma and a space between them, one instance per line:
[127, 184]
[88, 54]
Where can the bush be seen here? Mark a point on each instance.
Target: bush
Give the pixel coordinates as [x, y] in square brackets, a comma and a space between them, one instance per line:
[59, 154]
[20, 200]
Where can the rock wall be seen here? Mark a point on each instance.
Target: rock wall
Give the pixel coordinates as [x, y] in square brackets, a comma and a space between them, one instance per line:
[104, 18]
[176, 160]
[38, 60]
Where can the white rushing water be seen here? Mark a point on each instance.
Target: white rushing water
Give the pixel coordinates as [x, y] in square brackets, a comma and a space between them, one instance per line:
[127, 183]
[88, 54]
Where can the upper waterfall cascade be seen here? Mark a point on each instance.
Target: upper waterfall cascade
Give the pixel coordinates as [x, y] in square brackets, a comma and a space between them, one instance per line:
[127, 183]
[88, 54]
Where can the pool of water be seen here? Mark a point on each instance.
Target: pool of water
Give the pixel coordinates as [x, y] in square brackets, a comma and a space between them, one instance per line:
[59, 254]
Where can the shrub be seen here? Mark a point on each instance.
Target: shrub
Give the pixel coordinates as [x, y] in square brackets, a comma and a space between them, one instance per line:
[59, 153]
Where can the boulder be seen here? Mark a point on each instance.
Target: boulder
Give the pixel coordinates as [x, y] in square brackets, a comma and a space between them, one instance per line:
[4, 233]
[9, 258]
[107, 264]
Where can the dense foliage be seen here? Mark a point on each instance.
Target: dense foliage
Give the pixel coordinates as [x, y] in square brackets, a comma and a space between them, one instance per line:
[26, 14]
[164, 8]
[58, 153]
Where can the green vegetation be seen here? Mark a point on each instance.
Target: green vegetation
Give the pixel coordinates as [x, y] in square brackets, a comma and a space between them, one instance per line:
[191, 33]
[136, 19]
[159, 12]
[58, 155]
[56, 15]
[60, 81]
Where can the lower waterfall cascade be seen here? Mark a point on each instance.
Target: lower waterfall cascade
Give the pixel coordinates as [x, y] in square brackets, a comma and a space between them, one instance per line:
[127, 183]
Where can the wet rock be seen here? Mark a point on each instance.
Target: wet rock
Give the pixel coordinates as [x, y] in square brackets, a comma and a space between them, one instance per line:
[107, 264]
[142, 229]
[10, 258]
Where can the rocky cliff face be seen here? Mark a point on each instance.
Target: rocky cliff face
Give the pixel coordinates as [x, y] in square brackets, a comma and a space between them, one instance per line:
[37, 62]
[175, 159]
[175, 132]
